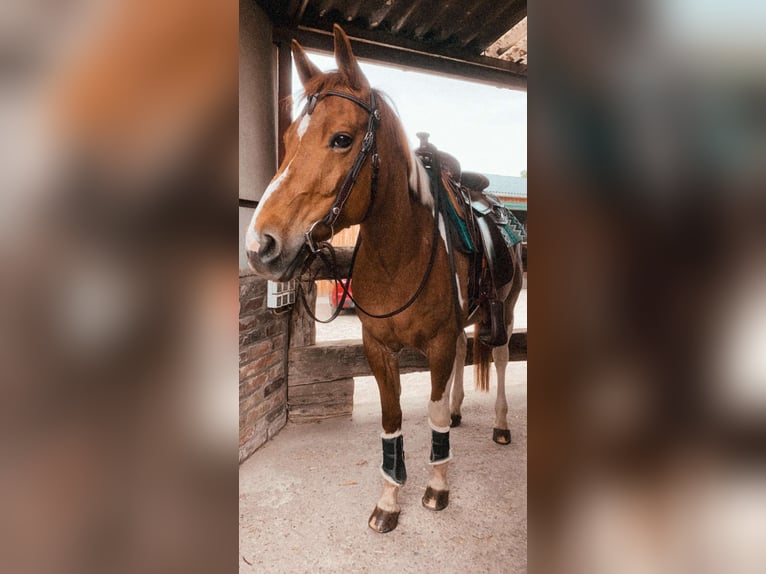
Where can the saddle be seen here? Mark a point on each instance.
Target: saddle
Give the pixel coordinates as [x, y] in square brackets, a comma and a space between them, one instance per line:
[481, 227]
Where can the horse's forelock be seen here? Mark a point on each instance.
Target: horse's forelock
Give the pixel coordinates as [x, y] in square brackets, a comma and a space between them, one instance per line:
[330, 80]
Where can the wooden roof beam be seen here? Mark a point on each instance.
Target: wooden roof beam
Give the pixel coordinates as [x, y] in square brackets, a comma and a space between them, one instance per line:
[391, 50]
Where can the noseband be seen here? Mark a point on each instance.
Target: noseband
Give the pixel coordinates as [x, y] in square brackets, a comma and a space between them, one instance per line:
[368, 149]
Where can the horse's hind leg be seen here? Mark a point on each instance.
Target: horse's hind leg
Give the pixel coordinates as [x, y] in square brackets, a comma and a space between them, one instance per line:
[456, 398]
[500, 433]
[385, 367]
[442, 364]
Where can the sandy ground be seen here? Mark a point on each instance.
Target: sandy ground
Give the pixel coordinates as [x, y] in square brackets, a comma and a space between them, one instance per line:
[306, 495]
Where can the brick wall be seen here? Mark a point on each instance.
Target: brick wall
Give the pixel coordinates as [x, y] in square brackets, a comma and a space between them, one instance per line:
[263, 340]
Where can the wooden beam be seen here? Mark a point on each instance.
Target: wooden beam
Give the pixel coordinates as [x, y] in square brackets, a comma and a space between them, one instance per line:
[383, 47]
[284, 90]
[345, 359]
[249, 203]
[319, 401]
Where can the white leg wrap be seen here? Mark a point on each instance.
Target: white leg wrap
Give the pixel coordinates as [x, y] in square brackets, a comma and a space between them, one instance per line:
[437, 428]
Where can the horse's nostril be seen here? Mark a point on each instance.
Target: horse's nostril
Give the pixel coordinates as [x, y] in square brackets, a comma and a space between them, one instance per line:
[269, 248]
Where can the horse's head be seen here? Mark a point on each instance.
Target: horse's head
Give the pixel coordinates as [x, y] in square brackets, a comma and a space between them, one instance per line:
[321, 147]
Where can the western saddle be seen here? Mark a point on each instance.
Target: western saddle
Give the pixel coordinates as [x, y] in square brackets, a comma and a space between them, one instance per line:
[481, 227]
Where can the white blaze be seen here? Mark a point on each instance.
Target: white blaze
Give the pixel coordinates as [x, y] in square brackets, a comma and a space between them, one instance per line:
[251, 238]
[303, 126]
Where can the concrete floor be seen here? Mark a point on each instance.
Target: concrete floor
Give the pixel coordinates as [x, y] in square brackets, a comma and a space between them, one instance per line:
[305, 496]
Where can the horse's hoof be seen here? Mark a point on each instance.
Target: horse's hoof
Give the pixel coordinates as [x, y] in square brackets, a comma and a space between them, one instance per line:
[501, 436]
[435, 499]
[383, 521]
[456, 420]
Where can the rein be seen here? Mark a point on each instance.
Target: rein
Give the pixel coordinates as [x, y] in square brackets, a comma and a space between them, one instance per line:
[332, 265]
[368, 148]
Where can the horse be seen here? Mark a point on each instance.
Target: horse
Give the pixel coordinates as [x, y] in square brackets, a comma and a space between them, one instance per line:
[348, 162]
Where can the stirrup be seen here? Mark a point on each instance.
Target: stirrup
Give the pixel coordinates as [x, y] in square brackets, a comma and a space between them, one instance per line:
[494, 333]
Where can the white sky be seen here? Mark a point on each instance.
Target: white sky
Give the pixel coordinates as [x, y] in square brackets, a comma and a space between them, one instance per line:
[484, 127]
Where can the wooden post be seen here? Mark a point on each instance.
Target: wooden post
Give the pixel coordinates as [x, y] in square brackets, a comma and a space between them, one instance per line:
[284, 90]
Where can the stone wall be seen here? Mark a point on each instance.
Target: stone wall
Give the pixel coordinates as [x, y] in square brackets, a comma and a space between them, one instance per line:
[263, 341]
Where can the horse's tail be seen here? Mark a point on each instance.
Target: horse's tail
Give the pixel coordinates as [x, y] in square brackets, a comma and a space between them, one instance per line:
[482, 357]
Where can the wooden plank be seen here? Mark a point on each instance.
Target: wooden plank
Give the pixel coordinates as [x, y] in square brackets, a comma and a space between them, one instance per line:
[323, 400]
[334, 360]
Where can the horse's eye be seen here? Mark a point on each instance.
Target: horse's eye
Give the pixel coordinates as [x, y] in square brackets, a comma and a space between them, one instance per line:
[340, 141]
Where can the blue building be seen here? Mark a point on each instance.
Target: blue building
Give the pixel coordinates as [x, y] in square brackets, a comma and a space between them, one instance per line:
[512, 190]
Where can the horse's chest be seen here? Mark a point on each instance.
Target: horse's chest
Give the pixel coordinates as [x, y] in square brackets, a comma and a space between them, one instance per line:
[397, 334]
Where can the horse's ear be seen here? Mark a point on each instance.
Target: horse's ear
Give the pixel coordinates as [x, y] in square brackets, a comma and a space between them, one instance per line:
[346, 60]
[306, 68]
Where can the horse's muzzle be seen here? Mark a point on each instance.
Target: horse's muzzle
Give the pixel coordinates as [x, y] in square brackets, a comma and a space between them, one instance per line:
[263, 247]
[264, 254]
[274, 264]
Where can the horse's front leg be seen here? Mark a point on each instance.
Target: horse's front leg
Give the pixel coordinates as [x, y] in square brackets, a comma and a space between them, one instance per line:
[456, 399]
[441, 358]
[385, 367]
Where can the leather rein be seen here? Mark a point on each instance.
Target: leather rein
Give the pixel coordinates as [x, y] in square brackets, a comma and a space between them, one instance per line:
[368, 149]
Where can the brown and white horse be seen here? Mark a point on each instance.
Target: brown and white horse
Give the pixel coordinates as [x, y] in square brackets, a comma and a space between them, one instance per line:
[347, 162]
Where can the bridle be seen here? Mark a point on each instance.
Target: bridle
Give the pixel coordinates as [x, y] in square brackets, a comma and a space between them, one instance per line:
[368, 149]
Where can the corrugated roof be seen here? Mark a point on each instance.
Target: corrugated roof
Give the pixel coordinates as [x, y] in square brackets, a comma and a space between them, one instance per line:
[507, 185]
[461, 30]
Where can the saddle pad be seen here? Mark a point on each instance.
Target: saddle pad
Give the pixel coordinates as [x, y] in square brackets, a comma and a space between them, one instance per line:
[454, 201]
[455, 204]
[513, 232]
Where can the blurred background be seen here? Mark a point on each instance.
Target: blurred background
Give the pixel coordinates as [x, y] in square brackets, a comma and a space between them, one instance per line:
[647, 319]
[118, 289]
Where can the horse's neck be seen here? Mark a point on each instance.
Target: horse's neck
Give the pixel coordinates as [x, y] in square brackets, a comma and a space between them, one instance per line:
[394, 232]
